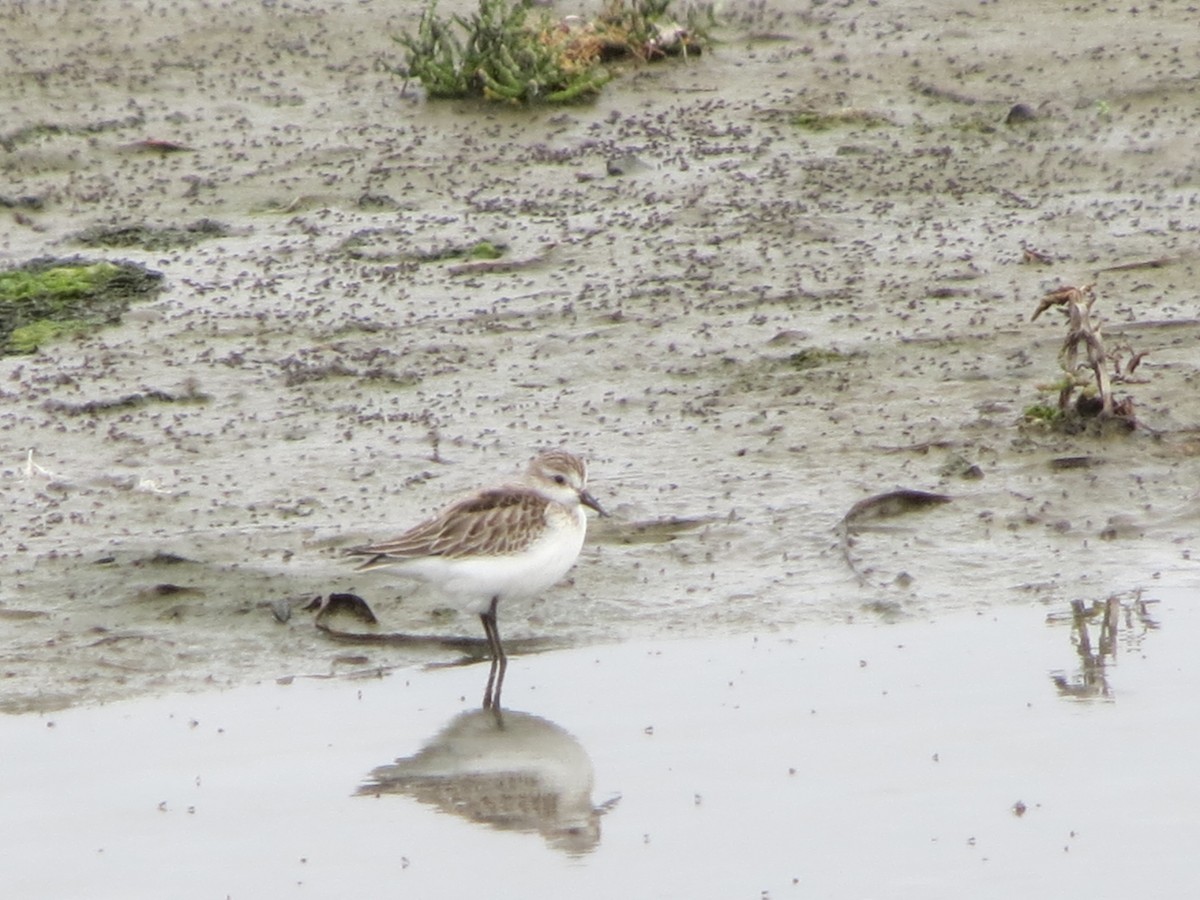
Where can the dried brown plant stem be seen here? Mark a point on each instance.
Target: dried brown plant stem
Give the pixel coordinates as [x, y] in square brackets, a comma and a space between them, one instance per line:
[1080, 330]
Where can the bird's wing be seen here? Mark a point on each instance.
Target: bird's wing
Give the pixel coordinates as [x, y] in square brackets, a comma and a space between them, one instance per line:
[492, 523]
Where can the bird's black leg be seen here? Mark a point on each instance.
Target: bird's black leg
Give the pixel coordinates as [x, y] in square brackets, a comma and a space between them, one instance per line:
[499, 659]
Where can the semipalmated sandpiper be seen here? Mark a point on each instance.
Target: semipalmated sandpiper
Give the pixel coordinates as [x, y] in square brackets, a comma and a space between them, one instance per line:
[514, 540]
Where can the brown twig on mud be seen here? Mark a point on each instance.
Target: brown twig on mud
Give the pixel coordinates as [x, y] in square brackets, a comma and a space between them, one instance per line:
[881, 506]
[1080, 330]
[1158, 263]
[1125, 374]
[1083, 331]
[1033, 255]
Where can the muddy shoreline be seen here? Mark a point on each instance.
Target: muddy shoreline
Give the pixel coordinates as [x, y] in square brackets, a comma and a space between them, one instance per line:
[754, 330]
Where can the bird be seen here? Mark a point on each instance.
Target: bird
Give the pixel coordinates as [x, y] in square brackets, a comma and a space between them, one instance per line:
[512, 540]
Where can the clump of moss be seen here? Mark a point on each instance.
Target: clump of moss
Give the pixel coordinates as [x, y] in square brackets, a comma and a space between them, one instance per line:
[1042, 412]
[485, 250]
[478, 250]
[28, 338]
[46, 279]
[503, 52]
[151, 238]
[382, 245]
[46, 298]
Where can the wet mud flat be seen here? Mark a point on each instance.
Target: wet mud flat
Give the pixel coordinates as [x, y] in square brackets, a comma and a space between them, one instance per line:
[814, 287]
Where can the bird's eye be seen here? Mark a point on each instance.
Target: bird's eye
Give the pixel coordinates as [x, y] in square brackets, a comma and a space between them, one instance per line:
[560, 479]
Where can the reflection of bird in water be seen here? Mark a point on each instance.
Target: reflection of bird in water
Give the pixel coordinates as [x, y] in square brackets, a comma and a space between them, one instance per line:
[514, 540]
[511, 770]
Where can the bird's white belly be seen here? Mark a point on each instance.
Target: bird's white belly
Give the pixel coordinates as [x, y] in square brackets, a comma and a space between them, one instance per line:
[476, 580]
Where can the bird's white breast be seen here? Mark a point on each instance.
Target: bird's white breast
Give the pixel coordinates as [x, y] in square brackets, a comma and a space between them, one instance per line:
[477, 579]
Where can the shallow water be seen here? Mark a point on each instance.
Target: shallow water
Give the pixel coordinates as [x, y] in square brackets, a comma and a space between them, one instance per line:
[833, 761]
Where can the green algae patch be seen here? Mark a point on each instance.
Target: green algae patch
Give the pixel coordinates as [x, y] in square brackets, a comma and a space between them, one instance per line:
[486, 250]
[149, 237]
[48, 298]
[28, 338]
[1042, 412]
[384, 245]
